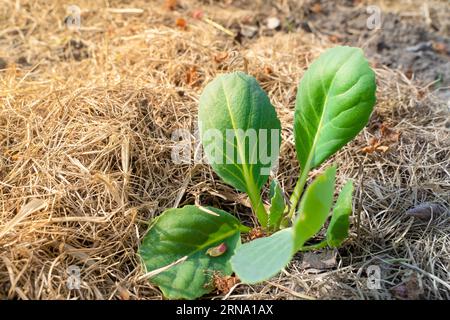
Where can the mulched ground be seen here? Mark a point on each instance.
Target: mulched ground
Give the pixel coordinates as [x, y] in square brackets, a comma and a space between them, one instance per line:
[87, 116]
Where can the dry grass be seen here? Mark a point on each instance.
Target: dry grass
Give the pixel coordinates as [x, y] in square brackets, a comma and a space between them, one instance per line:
[85, 154]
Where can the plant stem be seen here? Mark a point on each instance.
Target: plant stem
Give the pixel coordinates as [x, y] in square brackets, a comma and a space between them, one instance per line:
[256, 200]
[258, 207]
[298, 190]
[316, 246]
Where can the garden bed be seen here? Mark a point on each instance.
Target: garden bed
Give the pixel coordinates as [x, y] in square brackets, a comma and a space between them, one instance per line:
[86, 123]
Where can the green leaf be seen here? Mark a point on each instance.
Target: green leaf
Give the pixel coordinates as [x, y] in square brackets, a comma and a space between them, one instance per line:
[337, 231]
[240, 133]
[314, 207]
[277, 205]
[189, 232]
[334, 101]
[263, 258]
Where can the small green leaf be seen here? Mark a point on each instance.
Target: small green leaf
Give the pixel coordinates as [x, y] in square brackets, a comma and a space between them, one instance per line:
[263, 258]
[240, 133]
[334, 101]
[189, 232]
[314, 207]
[277, 205]
[337, 231]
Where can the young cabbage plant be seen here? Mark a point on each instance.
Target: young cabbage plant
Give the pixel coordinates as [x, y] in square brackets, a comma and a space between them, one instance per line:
[334, 101]
[240, 132]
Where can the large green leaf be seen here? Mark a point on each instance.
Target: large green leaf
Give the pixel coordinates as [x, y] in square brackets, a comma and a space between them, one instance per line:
[263, 258]
[189, 232]
[314, 207]
[240, 133]
[277, 205]
[334, 101]
[337, 231]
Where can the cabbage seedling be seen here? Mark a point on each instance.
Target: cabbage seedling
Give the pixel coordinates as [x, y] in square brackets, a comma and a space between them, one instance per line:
[334, 101]
[240, 133]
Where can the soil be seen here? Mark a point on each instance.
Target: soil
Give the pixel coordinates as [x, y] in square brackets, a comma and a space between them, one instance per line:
[419, 48]
[421, 51]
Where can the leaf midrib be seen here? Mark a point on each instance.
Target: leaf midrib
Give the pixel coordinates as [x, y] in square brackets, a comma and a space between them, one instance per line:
[233, 124]
[206, 244]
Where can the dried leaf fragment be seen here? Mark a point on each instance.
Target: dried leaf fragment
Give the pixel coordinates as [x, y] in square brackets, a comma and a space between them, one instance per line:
[217, 251]
[373, 147]
[410, 289]
[170, 4]
[335, 38]
[386, 137]
[388, 134]
[181, 23]
[224, 284]
[220, 57]
[256, 233]
[123, 293]
[440, 47]
[426, 211]
[320, 261]
[191, 76]
[316, 8]
[197, 14]
[268, 70]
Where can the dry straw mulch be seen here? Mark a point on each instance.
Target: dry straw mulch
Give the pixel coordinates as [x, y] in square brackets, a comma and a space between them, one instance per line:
[86, 123]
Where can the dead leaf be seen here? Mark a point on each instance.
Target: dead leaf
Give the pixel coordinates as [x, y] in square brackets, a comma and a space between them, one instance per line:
[368, 149]
[410, 289]
[382, 148]
[224, 284]
[319, 261]
[268, 70]
[382, 141]
[440, 47]
[421, 93]
[181, 23]
[388, 134]
[124, 294]
[217, 250]
[256, 233]
[170, 4]
[191, 76]
[374, 143]
[426, 211]
[220, 57]
[334, 38]
[197, 14]
[316, 8]
[409, 73]
[247, 19]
